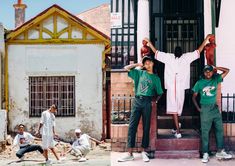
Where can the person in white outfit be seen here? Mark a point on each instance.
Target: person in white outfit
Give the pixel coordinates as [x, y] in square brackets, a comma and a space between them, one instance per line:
[81, 146]
[177, 77]
[47, 123]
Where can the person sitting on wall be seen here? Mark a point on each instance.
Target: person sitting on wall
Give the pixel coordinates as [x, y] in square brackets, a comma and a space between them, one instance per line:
[81, 146]
[23, 139]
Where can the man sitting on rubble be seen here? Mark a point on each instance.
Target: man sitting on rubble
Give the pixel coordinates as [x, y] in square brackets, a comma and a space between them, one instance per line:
[23, 140]
[81, 146]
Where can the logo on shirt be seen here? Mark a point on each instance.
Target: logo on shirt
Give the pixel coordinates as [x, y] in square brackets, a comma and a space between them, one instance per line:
[145, 85]
[207, 91]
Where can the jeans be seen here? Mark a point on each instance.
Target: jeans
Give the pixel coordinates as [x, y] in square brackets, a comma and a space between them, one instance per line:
[142, 106]
[28, 148]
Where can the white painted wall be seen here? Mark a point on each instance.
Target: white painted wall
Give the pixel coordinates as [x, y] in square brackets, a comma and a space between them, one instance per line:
[3, 125]
[225, 50]
[207, 17]
[82, 61]
[2, 53]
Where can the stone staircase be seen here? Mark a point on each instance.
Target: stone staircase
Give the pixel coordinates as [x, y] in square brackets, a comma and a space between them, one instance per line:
[167, 146]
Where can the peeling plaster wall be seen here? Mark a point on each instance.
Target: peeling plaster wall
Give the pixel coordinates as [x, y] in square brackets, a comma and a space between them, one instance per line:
[3, 125]
[2, 54]
[82, 61]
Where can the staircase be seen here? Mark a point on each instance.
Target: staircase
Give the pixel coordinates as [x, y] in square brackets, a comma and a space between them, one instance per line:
[167, 146]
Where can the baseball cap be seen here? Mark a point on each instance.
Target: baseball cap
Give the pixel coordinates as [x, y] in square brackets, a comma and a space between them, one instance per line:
[145, 58]
[78, 131]
[208, 68]
[21, 125]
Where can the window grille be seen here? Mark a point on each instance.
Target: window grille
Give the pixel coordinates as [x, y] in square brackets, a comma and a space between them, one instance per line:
[45, 91]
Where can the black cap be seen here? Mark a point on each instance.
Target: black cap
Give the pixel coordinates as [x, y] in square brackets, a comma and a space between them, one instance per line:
[21, 125]
[145, 58]
[208, 68]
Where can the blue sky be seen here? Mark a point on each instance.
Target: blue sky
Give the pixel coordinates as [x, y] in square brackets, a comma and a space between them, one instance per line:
[34, 7]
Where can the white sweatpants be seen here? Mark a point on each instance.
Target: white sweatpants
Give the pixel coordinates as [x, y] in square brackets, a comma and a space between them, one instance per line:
[80, 150]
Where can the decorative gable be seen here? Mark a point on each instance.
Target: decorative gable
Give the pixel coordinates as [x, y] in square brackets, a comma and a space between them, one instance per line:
[56, 25]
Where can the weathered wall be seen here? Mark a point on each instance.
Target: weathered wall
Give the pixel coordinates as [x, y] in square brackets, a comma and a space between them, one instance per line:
[2, 53]
[3, 125]
[82, 61]
[102, 22]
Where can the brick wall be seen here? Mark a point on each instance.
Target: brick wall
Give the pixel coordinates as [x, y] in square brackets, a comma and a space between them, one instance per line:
[121, 84]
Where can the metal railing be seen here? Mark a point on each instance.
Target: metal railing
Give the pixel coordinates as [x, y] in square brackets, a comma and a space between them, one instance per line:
[121, 108]
[228, 108]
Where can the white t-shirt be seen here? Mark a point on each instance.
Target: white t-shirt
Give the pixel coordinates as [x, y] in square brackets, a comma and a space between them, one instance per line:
[82, 141]
[23, 139]
[177, 70]
[48, 121]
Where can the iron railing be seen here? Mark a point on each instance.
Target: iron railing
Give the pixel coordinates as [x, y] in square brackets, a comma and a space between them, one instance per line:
[228, 108]
[122, 105]
[121, 109]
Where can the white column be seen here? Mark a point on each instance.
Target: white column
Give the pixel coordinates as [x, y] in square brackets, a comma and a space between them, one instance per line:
[142, 24]
[207, 18]
[2, 54]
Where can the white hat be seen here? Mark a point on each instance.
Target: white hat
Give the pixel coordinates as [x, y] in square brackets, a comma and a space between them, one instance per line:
[78, 131]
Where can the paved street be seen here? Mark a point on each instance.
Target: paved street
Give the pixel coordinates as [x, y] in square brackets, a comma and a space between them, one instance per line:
[97, 157]
[167, 162]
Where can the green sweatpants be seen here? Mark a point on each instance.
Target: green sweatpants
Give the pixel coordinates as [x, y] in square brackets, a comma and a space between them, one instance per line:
[210, 114]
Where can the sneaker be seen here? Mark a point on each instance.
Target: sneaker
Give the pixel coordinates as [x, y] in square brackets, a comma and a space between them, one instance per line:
[128, 157]
[178, 135]
[223, 155]
[174, 131]
[22, 158]
[145, 157]
[83, 159]
[205, 158]
[48, 162]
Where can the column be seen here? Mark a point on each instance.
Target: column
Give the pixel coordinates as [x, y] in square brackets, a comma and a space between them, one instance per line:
[142, 24]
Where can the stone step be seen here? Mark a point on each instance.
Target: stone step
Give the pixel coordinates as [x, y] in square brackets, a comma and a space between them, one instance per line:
[177, 154]
[166, 141]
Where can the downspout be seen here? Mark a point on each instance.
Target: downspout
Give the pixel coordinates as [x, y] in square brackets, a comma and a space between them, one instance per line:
[213, 23]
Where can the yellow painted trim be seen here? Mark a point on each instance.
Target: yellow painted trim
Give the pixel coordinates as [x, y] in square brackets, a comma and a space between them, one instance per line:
[6, 78]
[48, 32]
[40, 31]
[55, 26]
[56, 41]
[12, 35]
[62, 31]
[70, 31]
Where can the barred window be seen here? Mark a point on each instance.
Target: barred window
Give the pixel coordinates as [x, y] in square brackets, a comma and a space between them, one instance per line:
[45, 91]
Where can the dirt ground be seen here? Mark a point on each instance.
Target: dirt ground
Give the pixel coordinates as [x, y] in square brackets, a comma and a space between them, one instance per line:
[98, 156]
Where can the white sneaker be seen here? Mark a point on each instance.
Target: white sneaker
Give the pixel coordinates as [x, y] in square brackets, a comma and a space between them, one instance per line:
[178, 135]
[223, 155]
[48, 162]
[205, 158]
[145, 157]
[128, 157]
[83, 159]
[22, 158]
[174, 131]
